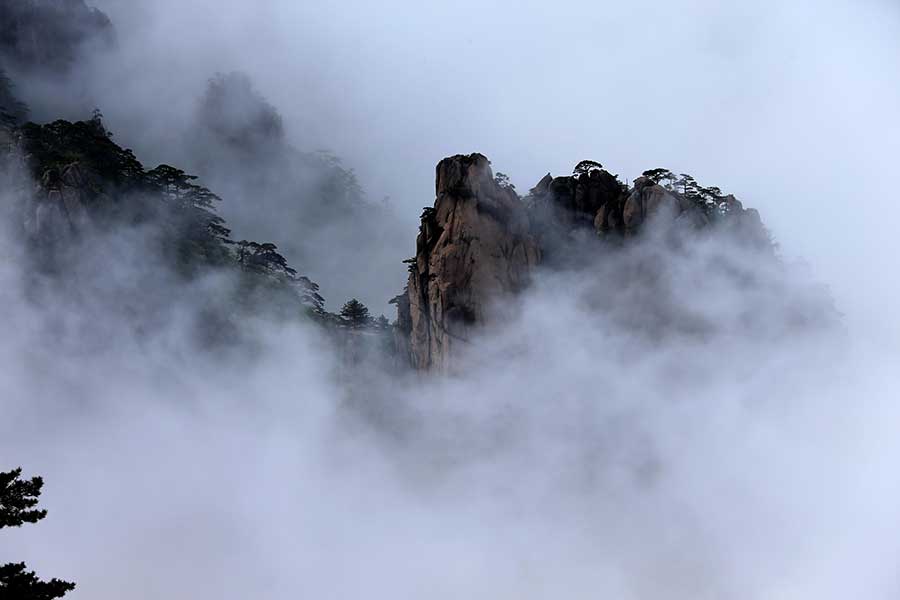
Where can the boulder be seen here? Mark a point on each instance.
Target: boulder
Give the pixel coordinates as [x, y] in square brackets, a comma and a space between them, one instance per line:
[646, 200]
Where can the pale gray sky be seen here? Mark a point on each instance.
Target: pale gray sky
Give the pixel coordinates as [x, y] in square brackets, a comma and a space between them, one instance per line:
[772, 466]
[790, 105]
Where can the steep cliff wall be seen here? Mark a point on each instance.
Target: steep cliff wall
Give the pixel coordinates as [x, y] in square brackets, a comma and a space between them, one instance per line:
[473, 247]
[480, 243]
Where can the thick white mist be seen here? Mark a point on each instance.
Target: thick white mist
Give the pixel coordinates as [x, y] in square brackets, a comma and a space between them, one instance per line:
[789, 105]
[578, 455]
[574, 459]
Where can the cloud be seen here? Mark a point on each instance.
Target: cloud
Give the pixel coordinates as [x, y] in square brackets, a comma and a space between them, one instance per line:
[576, 457]
[577, 454]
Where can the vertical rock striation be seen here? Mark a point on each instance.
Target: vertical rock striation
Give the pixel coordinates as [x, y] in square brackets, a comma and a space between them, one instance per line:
[473, 247]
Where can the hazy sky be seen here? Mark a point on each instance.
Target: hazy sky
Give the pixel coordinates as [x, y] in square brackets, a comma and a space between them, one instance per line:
[574, 460]
[790, 105]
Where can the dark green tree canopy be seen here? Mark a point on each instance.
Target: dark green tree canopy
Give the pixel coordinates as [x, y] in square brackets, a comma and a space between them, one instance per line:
[586, 166]
[309, 294]
[662, 177]
[264, 259]
[710, 199]
[192, 236]
[180, 187]
[355, 314]
[61, 143]
[18, 499]
[17, 583]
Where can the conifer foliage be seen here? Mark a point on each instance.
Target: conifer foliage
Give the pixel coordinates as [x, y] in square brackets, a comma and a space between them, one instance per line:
[355, 314]
[18, 505]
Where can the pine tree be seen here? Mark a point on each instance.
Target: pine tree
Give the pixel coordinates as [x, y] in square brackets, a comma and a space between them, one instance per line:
[662, 177]
[18, 499]
[586, 166]
[355, 314]
[502, 180]
[309, 294]
[178, 186]
[264, 259]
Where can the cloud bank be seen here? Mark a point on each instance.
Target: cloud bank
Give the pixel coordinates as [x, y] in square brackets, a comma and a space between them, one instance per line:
[578, 456]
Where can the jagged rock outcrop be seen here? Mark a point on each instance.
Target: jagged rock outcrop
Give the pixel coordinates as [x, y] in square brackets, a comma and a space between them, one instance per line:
[473, 247]
[574, 200]
[480, 242]
[60, 202]
[565, 207]
[648, 198]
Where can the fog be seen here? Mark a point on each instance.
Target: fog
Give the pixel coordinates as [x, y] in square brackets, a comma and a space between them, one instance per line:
[577, 454]
[790, 106]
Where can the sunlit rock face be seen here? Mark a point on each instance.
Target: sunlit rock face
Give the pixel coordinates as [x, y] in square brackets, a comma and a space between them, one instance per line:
[473, 247]
[480, 244]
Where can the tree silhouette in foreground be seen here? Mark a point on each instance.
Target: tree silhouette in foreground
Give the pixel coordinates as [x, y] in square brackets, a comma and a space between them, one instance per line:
[18, 501]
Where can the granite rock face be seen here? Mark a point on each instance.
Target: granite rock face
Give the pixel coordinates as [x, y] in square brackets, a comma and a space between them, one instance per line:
[480, 243]
[474, 246]
[647, 199]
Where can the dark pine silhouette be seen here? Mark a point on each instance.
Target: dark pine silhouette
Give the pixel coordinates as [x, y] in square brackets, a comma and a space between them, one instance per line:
[18, 502]
[586, 166]
[355, 314]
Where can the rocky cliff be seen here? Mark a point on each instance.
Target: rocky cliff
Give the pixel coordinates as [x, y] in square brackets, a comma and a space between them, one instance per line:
[474, 246]
[480, 243]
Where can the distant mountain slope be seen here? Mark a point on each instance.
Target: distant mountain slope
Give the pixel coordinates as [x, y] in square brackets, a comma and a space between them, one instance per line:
[84, 204]
[308, 202]
[49, 35]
